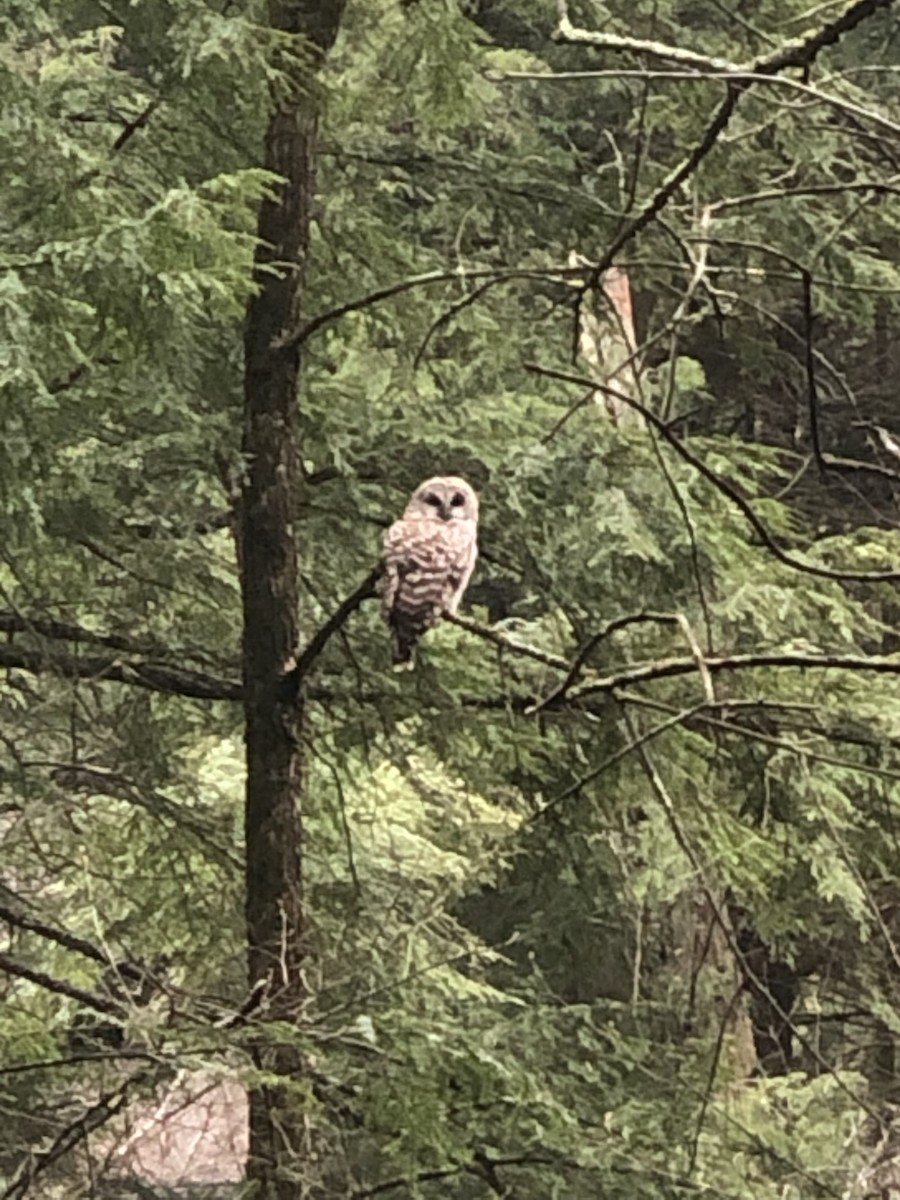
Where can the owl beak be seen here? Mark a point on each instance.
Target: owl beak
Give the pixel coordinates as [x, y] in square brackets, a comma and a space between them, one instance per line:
[444, 510]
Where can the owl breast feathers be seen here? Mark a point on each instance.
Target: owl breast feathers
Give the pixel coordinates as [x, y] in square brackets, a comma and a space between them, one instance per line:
[429, 556]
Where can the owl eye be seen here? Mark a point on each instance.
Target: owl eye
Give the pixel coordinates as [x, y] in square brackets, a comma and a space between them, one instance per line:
[457, 499]
[432, 499]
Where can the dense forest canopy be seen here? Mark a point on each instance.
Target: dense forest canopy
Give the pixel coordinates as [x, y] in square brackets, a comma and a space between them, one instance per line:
[603, 898]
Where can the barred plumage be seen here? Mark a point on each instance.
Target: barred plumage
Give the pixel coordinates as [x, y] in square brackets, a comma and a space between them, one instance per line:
[429, 556]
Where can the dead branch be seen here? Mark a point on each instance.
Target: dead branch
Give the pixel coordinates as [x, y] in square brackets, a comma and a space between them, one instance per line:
[798, 52]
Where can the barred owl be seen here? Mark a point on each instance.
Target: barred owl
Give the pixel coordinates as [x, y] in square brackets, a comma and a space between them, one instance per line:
[429, 556]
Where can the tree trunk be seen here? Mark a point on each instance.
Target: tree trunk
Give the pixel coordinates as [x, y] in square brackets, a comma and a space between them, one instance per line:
[268, 567]
[607, 343]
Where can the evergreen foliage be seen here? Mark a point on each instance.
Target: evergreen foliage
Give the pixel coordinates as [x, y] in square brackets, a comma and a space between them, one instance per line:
[626, 930]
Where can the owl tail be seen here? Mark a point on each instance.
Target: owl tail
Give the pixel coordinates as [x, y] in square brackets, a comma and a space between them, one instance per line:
[403, 650]
[408, 624]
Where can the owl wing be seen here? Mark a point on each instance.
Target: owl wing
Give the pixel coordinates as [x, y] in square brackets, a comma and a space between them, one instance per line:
[392, 558]
[418, 561]
[463, 548]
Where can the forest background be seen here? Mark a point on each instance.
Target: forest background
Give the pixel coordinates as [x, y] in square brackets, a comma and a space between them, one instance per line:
[603, 900]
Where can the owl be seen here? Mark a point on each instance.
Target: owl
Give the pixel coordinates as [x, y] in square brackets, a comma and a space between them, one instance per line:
[429, 556]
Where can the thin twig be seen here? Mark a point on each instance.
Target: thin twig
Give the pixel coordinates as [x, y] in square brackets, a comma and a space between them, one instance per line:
[46, 627]
[839, 104]
[812, 391]
[554, 698]
[131, 128]
[724, 1023]
[798, 52]
[445, 317]
[501, 640]
[673, 181]
[677, 718]
[722, 485]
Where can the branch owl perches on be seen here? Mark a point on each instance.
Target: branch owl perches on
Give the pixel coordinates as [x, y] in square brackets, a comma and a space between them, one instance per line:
[429, 557]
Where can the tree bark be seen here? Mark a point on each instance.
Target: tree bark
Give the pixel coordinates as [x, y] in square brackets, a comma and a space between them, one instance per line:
[268, 568]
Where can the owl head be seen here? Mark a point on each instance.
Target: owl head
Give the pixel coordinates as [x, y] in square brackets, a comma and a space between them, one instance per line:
[444, 498]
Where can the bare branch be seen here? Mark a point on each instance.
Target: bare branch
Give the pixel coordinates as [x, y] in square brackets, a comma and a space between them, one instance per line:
[838, 103]
[317, 643]
[803, 51]
[48, 627]
[668, 668]
[673, 181]
[152, 676]
[507, 643]
[80, 777]
[11, 966]
[497, 275]
[70, 941]
[568, 33]
[477, 1165]
[780, 195]
[139, 122]
[192, 684]
[408, 1182]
